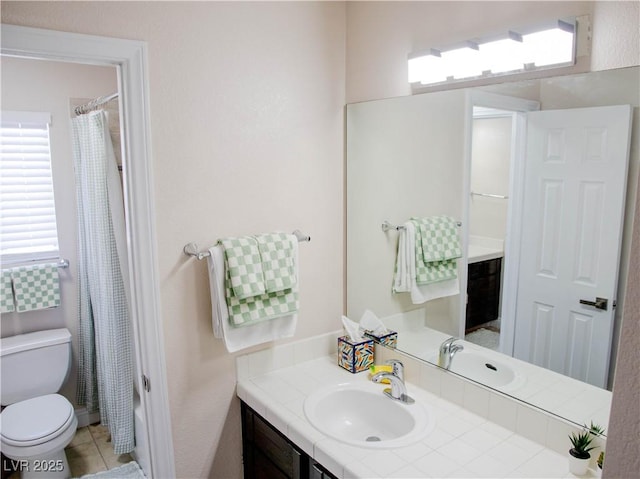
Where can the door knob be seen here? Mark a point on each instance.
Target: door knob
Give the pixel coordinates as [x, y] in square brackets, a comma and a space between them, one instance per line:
[599, 303]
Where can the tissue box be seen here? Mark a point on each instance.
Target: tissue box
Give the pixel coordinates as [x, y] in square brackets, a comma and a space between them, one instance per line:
[390, 339]
[355, 357]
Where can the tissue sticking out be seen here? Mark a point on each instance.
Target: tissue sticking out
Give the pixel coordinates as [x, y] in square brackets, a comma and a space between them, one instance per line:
[372, 324]
[353, 330]
[375, 329]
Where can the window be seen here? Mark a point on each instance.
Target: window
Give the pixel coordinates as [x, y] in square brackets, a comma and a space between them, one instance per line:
[27, 210]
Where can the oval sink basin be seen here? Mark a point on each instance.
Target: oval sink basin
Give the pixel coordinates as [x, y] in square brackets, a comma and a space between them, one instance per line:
[485, 369]
[361, 415]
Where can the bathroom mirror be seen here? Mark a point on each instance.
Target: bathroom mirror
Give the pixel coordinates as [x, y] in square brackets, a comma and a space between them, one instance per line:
[461, 153]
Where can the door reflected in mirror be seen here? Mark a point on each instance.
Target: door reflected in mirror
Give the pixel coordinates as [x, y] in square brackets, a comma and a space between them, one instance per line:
[541, 227]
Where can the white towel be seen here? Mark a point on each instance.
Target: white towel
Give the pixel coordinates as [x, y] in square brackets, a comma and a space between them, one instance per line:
[247, 336]
[405, 278]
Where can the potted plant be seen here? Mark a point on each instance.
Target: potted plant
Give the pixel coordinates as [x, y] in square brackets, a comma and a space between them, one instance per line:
[599, 463]
[595, 429]
[579, 454]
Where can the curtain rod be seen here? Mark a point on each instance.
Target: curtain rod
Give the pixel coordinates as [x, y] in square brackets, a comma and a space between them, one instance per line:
[93, 104]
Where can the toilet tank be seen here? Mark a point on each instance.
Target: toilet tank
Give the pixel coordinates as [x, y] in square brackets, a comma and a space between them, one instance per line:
[34, 364]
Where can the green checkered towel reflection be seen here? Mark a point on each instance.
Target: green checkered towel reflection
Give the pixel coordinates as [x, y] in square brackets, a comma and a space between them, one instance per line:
[437, 247]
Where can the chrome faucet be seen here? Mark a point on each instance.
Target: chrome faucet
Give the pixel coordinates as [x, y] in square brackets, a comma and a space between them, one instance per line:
[398, 390]
[447, 351]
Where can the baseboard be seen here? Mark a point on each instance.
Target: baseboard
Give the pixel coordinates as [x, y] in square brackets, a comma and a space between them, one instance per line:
[85, 418]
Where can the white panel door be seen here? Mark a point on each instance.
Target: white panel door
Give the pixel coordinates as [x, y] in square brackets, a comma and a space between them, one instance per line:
[576, 170]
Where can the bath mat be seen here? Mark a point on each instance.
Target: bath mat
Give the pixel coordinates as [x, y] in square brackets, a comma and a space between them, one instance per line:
[484, 337]
[130, 470]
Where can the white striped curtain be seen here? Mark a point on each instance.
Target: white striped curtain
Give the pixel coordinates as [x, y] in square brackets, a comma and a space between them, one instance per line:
[105, 376]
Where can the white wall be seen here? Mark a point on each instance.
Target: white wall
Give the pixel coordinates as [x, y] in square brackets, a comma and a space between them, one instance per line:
[622, 460]
[46, 86]
[246, 105]
[615, 34]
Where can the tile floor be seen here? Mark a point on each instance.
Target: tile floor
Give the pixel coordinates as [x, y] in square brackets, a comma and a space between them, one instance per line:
[90, 451]
[486, 335]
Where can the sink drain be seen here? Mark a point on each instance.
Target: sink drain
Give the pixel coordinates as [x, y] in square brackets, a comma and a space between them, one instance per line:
[372, 439]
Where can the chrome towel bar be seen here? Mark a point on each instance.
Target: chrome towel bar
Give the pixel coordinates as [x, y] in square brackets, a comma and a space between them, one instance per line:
[386, 226]
[191, 249]
[61, 264]
[489, 195]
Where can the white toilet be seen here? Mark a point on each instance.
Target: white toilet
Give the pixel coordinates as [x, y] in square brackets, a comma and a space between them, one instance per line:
[37, 424]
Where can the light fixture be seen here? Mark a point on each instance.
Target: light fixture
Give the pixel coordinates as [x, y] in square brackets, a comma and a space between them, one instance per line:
[462, 62]
[503, 55]
[427, 67]
[551, 45]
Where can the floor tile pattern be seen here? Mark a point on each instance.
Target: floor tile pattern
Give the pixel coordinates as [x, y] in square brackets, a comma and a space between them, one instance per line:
[90, 451]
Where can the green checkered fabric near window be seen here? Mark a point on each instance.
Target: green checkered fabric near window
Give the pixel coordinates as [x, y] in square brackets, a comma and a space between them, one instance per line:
[246, 310]
[36, 287]
[6, 292]
[437, 247]
[276, 252]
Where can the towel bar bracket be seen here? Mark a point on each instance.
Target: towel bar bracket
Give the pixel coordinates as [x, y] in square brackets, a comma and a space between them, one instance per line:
[191, 249]
[386, 226]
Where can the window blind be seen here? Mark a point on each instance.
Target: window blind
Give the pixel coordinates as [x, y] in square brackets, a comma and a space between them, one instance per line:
[27, 209]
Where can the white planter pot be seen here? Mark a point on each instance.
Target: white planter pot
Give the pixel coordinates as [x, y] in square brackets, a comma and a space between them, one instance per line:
[577, 466]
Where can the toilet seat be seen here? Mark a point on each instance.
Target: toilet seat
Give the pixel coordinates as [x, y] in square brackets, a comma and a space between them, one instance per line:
[36, 421]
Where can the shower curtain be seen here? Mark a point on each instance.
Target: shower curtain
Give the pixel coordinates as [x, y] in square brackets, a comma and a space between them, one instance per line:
[105, 374]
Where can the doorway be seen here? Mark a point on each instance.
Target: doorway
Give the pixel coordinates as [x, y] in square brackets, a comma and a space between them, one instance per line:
[129, 58]
[488, 212]
[492, 207]
[560, 226]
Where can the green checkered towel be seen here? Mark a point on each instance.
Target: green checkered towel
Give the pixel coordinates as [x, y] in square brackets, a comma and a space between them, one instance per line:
[246, 291]
[276, 253]
[437, 247]
[244, 266]
[6, 292]
[36, 287]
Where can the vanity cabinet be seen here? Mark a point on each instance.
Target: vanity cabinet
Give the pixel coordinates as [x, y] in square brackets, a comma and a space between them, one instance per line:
[316, 471]
[268, 454]
[483, 292]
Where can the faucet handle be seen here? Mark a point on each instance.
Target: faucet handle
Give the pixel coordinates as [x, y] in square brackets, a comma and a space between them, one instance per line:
[398, 367]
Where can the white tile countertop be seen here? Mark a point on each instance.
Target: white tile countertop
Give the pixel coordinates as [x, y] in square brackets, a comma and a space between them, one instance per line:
[481, 248]
[462, 444]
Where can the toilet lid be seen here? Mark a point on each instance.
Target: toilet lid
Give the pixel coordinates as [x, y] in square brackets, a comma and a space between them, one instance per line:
[35, 419]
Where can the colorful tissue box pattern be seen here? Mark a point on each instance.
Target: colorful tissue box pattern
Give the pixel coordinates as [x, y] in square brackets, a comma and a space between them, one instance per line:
[390, 339]
[355, 357]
